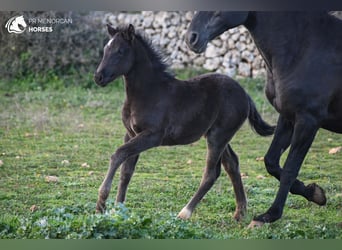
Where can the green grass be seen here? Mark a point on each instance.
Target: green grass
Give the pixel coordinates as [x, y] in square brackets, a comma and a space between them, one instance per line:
[55, 130]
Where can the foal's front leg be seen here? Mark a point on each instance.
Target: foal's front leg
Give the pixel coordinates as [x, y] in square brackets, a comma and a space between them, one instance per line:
[143, 141]
[127, 170]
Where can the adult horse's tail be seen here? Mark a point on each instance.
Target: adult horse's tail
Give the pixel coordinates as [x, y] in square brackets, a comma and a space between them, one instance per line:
[256, 121]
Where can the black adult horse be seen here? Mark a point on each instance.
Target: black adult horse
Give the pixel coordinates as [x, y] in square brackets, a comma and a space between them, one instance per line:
[303, 54]
[162, 110]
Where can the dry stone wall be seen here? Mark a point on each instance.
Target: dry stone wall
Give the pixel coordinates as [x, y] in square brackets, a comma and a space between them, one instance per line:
[233, 53]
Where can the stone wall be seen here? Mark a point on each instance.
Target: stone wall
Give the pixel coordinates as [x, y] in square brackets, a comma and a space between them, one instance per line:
[236, 56]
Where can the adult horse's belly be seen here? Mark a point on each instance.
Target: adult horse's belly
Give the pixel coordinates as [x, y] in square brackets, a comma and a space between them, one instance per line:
[334, 120]
[333, 125]
[275, 96]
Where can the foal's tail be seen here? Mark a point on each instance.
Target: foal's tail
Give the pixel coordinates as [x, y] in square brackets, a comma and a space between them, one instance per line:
[256, 121]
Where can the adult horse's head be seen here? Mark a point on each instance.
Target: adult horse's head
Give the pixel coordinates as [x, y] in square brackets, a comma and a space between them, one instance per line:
[206, 25]
[118, 55]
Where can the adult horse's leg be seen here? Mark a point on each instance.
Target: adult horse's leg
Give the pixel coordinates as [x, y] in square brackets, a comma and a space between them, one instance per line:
[135, 146]
[127, 170]
[212, 171]
[281, 141]
[304, 133]
[230, 162]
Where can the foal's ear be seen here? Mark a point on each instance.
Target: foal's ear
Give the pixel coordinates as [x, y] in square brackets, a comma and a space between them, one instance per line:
[130, 33]
[111, 30]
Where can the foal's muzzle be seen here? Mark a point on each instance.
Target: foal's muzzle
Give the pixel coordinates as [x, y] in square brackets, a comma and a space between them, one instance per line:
[99, 79]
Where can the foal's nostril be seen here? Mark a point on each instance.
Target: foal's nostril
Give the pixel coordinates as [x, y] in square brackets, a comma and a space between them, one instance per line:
[193, 38]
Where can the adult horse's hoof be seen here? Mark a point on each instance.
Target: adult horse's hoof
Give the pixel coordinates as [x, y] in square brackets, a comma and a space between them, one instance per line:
[316, 194]
[267, 217]
[255, 224]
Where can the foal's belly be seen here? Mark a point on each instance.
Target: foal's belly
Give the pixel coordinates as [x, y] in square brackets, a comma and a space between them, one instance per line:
[172, 141]
[183, 135]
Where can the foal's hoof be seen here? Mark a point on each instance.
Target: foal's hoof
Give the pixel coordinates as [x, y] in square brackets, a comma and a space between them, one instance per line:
[316, 194]
[239, 214]
[184, 214]
[100, 209]
[255, 224]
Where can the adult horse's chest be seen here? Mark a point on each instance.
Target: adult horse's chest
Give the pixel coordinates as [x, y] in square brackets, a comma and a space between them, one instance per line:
[274, 93]
[287, 96]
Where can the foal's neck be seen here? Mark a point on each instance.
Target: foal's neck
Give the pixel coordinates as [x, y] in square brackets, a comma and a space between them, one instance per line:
[143, 78]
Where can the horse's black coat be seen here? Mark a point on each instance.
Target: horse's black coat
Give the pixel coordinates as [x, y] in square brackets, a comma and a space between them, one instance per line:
[162, 110]
[303, 54]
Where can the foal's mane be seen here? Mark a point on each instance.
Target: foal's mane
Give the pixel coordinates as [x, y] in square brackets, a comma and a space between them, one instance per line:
[156, 56]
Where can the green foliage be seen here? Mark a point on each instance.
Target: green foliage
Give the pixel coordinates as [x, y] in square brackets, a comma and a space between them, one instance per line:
[80, 222]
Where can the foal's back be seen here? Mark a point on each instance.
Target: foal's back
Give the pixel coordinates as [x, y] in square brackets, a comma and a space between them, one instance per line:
[216, 89]
[203, 103]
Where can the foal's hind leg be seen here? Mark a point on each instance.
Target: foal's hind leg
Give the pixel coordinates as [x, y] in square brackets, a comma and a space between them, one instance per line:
[230, 163]
[211, 173]
[281, 141]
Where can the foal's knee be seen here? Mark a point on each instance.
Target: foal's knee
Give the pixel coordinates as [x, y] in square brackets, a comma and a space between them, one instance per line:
[211, 177]
[118, 157]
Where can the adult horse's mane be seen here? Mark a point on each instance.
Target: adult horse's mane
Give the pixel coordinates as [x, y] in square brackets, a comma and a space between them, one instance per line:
[297, 28]
[158, 59]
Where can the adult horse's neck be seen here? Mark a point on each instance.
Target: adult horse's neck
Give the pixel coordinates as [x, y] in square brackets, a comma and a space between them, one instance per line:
[279, 36]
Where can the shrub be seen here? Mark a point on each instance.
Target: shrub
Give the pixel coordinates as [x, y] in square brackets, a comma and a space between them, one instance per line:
[71, 222]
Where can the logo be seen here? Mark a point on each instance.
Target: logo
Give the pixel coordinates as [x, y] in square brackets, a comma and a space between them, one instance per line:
[16, 25]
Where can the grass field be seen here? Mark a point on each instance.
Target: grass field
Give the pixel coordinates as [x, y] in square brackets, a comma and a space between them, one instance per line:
[55, 144]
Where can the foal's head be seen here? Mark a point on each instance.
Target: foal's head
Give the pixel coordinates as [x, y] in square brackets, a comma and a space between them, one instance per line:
[118, 56]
